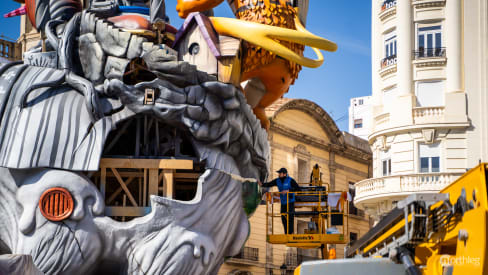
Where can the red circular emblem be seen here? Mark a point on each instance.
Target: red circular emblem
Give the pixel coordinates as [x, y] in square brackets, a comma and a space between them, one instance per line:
[56, 204]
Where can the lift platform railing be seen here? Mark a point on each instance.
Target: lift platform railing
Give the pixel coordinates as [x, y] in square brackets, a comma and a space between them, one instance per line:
[318, 209]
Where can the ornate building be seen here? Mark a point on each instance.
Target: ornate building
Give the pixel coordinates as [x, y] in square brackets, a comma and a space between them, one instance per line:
[9, 51]
[429, 70]
[301, 135]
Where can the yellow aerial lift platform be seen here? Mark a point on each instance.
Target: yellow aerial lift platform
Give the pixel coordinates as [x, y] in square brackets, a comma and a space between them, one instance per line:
[442, 233]
[327, 211]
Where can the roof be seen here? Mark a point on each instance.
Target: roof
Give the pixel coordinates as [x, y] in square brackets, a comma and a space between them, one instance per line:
[271, 109]
[357, 142]
[206, 28]
[344, 142]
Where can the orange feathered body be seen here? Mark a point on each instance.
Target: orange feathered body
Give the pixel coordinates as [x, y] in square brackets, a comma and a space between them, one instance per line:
[276, 73]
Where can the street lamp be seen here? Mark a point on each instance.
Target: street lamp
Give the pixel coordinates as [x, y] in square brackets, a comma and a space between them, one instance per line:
[283, 269]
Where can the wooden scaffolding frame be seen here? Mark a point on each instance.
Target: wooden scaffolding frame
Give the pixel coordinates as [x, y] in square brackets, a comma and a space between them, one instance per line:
[153, 173]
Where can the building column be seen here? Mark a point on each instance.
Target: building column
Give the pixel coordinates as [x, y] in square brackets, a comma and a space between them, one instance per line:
[376, 54]
[404, 47]
[332, 168]
[455, 98]
[454, 46]
[401, 113]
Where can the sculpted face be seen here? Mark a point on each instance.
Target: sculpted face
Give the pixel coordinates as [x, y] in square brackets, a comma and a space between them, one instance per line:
[175, 237]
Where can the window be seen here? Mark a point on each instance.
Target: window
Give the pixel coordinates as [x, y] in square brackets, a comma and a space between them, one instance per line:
[386, 167]
[352, 209]
[353, 237]
[430, 93]
[358, 123]
[361, 101]
[303, 174]
[386, 163]
[248, 253]
[390, 44]
[390, 52]
[429, 158]
[429, 41]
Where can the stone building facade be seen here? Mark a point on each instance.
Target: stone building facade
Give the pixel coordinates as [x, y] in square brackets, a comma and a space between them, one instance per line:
[429, 71]
[301, 135]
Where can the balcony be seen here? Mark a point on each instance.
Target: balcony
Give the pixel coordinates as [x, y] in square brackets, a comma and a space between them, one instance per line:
[428, 3]
[249, 254]
[294, 259]
[10, 50]
[426, 115]
[374, 190]
[428, 57]
[388, 65]
[388, 8]
[429, 53]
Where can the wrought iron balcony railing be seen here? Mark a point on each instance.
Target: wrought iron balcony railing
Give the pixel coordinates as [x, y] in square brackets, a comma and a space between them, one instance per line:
[388, 61]
[295, 259]
[248, 253]
[429, 52]
[388, 4]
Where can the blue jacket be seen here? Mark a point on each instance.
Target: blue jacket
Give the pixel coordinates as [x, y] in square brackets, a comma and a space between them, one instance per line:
[287, 183]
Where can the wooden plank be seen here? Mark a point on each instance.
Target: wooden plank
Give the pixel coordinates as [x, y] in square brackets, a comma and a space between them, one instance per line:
[126, 174]
[118, 211]
[103, 181]
[229, 70]
[229, 46]
[122, 183]
[168, 189]
[147, 163]
[186, 175]
[124, 204]
[160, 177]
[144, 187]
[153, 182]
[114, 195]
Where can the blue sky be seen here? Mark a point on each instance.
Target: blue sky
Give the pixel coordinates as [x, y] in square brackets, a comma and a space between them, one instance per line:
[345, 73]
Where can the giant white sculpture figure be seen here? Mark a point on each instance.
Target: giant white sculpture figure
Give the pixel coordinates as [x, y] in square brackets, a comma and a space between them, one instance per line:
[57, 109]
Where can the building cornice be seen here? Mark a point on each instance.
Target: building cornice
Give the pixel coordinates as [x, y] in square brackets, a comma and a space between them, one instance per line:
[396, 130]
[342, 150]
[387, 13]
[388, 70]
[430, 62]
[428, 3]
[320, 115]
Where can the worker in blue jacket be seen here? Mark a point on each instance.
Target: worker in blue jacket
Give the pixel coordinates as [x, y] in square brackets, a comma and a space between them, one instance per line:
[285, 184]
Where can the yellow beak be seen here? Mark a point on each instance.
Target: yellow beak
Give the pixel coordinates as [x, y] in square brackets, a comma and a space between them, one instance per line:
[265, 36]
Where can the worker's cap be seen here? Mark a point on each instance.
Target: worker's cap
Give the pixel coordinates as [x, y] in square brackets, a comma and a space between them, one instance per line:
[282, 170]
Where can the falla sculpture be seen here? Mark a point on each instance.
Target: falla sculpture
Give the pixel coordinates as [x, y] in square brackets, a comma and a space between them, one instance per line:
[128, 146]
